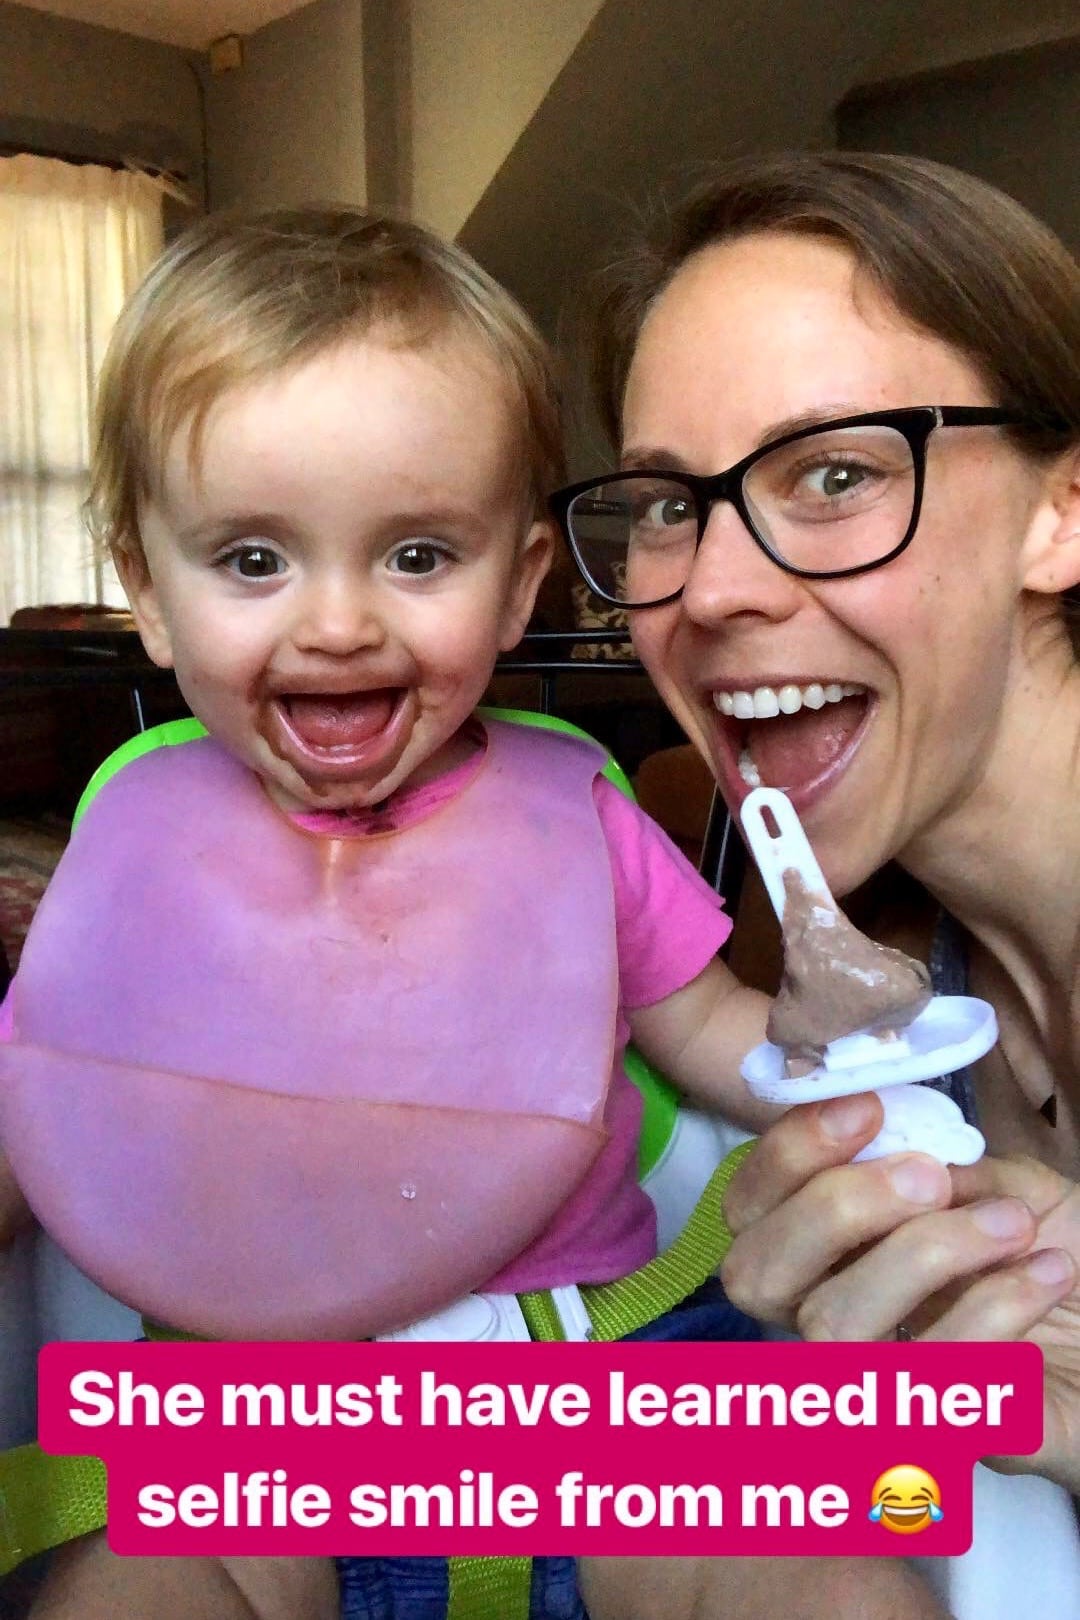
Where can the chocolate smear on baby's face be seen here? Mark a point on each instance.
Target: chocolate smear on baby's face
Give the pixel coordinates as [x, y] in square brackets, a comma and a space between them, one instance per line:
[836, 981]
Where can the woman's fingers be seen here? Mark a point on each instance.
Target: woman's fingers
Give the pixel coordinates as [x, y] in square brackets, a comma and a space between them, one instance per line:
[849, 1251]
[776, 1261]
[1008, 1303]
[806, 1140]
[894, 1281]
[1041, 1188]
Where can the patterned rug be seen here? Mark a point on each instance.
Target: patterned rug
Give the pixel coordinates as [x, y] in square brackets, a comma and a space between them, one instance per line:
[29, 850]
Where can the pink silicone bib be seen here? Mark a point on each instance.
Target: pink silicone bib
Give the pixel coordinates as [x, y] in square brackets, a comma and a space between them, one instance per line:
[267, 1084]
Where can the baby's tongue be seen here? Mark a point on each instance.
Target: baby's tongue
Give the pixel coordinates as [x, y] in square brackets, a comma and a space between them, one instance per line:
[796, 748]
[341, 720]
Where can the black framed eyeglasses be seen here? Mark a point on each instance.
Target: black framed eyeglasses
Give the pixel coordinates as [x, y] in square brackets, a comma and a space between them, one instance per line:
[825, 502]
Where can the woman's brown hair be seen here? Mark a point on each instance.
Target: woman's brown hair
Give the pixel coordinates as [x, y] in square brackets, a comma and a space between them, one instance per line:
[955, 256]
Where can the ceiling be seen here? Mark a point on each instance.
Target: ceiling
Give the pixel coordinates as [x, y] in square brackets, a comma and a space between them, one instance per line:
[191, 23]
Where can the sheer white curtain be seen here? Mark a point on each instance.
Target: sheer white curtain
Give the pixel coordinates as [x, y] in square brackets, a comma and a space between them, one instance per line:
[74, 241]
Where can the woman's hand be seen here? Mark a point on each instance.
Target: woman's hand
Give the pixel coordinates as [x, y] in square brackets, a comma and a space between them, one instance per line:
[842, 1251]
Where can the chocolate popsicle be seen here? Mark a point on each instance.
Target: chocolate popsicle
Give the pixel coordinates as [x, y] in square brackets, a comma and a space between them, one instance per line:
[836, 981]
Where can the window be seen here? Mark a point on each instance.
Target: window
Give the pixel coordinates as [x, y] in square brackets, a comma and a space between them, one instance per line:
[74, 240]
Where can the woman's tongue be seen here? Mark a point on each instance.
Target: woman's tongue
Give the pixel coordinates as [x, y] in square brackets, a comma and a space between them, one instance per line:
[340, 720]
[792, 749]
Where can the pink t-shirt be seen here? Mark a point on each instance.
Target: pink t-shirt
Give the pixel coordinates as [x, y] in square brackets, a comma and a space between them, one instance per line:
[669, 925]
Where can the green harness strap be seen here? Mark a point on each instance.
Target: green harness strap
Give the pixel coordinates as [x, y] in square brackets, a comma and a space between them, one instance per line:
[45, 1501]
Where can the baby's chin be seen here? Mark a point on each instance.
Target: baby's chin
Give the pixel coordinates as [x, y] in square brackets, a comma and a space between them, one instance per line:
[300, 798]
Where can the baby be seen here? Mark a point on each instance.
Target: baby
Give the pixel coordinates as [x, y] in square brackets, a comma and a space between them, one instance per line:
[324, 443]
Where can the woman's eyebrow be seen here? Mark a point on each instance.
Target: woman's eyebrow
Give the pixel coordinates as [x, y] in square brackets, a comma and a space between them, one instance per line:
[652, 461]
[644, 458]
[816, 416]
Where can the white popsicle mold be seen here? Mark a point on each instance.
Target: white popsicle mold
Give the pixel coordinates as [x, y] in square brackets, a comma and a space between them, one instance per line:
[950, 1032]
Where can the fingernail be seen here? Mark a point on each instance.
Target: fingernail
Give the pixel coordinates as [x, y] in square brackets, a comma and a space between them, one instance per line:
[844, 1117]
[1001, 1217]
[920, 1181]
[1050, 1266]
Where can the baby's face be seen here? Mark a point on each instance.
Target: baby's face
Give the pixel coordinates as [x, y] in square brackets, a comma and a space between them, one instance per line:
[333, 580]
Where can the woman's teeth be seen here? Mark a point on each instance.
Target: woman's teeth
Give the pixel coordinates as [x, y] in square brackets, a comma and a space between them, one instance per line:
[748, 770]
[765, 702]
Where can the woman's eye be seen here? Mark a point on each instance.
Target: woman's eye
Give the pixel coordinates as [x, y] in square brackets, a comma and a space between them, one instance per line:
[669, 511]
[254, 562]
[836, 478]
[418, 558]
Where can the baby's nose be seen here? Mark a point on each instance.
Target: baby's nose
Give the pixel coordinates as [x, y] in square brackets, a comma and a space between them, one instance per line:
[338, 616]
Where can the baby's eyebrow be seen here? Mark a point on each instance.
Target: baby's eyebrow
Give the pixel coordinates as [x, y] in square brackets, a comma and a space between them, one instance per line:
[222, 524]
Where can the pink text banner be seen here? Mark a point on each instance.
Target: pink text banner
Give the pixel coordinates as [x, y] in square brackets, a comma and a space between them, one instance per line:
[514, 1449]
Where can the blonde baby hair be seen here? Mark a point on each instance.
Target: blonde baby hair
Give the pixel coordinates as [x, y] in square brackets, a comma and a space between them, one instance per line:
[243, 295]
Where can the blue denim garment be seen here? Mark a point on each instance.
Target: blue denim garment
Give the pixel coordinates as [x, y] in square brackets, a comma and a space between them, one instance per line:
[417, 1588]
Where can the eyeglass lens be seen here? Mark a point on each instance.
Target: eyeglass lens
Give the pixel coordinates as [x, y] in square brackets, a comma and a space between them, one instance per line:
[825, 503]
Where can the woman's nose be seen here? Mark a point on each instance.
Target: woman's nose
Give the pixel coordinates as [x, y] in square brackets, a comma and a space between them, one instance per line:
[732, 576]
[338, 616]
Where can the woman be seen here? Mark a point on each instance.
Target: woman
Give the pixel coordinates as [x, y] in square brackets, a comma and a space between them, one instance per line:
[868, 609]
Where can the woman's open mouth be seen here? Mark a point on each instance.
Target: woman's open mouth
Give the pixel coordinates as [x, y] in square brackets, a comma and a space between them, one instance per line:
[793, 736]
[338, 733]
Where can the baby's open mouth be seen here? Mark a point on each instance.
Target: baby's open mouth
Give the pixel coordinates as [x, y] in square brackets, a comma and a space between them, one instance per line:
[329, 721]
[790, 736]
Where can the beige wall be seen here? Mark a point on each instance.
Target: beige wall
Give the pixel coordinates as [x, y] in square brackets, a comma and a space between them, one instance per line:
[89, 92]
[1012, 121]
[479, 70]
[288, 127]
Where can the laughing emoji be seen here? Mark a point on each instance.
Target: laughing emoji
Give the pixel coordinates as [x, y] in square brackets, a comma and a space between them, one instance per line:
[906, 1499]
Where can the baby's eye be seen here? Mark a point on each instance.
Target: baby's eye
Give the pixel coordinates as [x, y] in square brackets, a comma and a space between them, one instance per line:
[418, 558]
[254, 561]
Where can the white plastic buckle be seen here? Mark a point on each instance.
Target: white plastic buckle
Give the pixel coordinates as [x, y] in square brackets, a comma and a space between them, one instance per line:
[492, 1319]
[473, 1319]
[570, 1309]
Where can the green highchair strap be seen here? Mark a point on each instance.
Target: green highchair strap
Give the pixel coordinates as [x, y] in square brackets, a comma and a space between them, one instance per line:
[45, 1501]
[489, 1589]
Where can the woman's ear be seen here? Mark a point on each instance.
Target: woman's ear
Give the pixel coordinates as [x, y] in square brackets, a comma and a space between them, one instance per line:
[134, 575]
[532, 563]
[1051, 555]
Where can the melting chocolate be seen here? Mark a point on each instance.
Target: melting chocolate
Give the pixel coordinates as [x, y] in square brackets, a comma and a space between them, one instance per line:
[836, 981]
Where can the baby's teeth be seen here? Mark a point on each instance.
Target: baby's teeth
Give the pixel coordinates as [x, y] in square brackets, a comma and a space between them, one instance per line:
[789, 699]
[814, 696]
[724, 702]
[743, 706]
[766, 704]
[833, 694]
